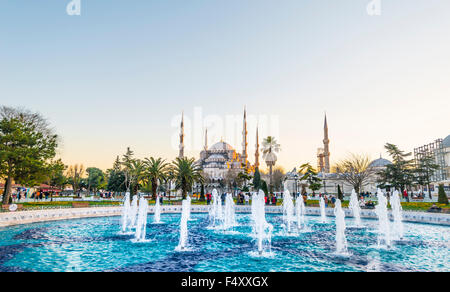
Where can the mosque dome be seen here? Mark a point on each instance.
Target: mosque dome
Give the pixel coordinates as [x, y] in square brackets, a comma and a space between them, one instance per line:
[380, 162]
[446, 142]
[221, 146]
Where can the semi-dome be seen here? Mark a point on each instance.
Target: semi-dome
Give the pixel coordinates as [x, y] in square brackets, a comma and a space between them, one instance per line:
[380, 162]
[216, 157]
[221, 146]
[446, 142]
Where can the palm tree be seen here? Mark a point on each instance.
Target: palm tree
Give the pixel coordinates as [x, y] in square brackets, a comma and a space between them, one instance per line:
[136, 173]
[186, 173]
[156, 171]
[269, 149]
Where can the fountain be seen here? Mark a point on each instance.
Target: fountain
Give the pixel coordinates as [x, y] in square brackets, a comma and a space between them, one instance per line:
[384, 237]
[261, 229]
[288, 211]
[229, 213]
[157, 215]
[188, 200]
[323, 215]
[397, 230]
[341, 240]
[141, 224]
[133, 213]
[125, 212]
[215, 211]
[356, 210]
[300, 212]
[182, 245]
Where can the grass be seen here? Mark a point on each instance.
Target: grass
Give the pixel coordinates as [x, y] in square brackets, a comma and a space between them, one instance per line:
[407, 206]
[64, 204]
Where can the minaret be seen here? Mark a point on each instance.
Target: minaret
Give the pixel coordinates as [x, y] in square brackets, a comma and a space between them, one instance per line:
[257, 149]
[181, 154]
[326, 143]
[206, 139]
[244, 139]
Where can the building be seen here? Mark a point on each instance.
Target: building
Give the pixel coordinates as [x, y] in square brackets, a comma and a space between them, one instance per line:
[440, 150]
[331, 181]
[217, 160]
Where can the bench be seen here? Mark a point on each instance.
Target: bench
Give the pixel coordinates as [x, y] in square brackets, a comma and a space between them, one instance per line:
[80, 204]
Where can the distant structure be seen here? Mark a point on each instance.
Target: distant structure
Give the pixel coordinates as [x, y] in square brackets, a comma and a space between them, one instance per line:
[323, 154]
[181, 147]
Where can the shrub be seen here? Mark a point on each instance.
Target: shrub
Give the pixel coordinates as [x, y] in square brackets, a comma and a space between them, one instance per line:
[442, 199]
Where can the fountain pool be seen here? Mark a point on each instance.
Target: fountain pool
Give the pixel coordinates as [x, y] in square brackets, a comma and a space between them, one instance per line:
[95, 244]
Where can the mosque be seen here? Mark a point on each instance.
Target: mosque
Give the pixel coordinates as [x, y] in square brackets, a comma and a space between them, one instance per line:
[217, 160]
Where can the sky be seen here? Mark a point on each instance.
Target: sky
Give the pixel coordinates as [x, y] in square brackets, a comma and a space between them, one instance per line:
[120, 74]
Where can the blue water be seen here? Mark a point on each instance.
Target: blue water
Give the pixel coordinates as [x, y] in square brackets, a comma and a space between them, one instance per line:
[95, 244]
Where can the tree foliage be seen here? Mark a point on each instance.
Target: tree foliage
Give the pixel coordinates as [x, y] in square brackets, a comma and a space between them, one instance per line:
[400, 173]
[442, 199]
[156, 172]
[27, 145]
[310, 175]
[356, 171]
[185, 173]
[257, 180]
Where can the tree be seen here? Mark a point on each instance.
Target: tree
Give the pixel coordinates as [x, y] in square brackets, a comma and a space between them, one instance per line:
[116, 181]
[230, 179]
[442, 199]
[278, 178]
[424, 170]
[156, 171]
[355, 170]
[202, 193]
[56, 177]
[95, 179]
[75, 174]
[27, 145]
[126, 164]
[340, 194]
[400, 173]
[186, 173]
[257, 180]
[269, 149]
[310, 175]
[264, 187]
[243, 177]
[136, 173]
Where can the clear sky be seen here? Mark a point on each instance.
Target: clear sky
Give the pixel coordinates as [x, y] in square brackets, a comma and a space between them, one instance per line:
[119, 73]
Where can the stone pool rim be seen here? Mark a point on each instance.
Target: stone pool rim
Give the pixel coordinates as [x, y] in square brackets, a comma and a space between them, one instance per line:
[29, 217]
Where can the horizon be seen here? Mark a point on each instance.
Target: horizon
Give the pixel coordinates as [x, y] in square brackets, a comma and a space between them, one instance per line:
[120, 75]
